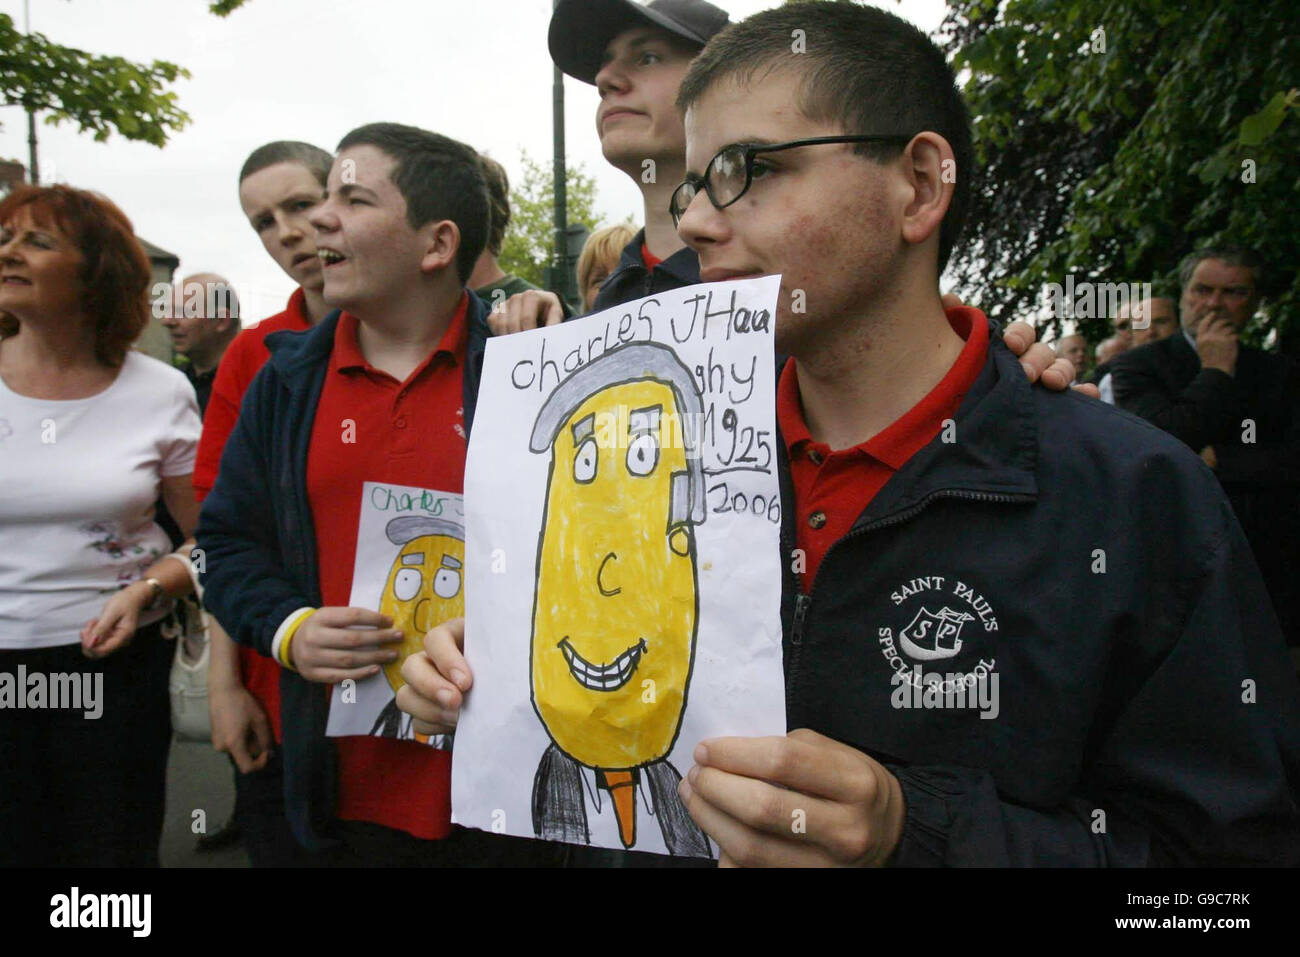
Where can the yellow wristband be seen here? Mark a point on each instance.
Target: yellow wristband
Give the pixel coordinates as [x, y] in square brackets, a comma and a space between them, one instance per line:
[288, 630]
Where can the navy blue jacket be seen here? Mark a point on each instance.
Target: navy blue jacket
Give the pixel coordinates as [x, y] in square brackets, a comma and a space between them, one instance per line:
[631, 280]
[1146, 712]
[259, 541]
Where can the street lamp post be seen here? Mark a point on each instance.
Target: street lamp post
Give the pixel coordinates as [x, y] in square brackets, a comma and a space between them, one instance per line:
[33, 164]
[560, 257]
[560, 216]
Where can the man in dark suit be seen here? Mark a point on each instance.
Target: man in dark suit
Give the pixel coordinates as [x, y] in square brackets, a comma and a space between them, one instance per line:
[1237, 405]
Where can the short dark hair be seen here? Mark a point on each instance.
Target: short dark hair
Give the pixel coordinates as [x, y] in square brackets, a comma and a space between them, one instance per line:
[440, 178]
[872, 71]
[498, 187]
[317, 160]
[1242, 256]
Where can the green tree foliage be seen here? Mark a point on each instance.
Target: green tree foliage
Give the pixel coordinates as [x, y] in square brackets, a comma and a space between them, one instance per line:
[99, 94]
[530, 240]
[1115, 136]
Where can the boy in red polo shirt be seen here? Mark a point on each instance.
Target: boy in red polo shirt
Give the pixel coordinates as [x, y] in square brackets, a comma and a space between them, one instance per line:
[381, 392]
[1020, 628]
[279, 184]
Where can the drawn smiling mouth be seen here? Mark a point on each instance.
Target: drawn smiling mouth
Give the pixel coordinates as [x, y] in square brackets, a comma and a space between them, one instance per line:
[608, 677]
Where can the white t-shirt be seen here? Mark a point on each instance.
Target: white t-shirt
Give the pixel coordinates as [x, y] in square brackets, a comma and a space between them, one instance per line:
[78, 483]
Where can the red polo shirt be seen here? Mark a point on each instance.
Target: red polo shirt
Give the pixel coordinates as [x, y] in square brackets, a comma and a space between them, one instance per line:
[242, 360]
[832, 488]
[406, 433]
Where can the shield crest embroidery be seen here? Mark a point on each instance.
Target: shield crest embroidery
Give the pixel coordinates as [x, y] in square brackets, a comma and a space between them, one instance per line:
[932, 636]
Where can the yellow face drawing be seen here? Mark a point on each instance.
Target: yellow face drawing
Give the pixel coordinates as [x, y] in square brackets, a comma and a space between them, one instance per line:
[424, 585]
[615, 610]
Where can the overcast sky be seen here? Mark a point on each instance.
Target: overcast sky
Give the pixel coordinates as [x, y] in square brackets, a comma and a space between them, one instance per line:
[307, 70]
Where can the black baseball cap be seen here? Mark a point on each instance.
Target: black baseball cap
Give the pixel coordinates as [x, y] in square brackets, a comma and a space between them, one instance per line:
[581, 29]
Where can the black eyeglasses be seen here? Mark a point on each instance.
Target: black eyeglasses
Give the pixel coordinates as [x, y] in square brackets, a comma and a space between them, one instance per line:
[731, 172]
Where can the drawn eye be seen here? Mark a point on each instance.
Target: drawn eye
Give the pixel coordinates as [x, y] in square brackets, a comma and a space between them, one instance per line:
[407, 584]
[643, 454]
[446, 584]
[584, 463]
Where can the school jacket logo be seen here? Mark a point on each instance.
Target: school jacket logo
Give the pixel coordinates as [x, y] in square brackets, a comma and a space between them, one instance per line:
[933, 636]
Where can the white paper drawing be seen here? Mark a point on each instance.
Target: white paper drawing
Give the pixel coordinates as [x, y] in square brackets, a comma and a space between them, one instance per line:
[623, 522]
[410, 566]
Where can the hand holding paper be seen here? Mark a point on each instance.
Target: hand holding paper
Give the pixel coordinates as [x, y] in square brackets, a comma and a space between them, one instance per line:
[437, 680]
[336, 643]
[802, 800]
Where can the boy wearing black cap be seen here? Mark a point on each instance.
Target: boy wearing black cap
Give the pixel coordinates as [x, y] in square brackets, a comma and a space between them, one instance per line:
[636, 56]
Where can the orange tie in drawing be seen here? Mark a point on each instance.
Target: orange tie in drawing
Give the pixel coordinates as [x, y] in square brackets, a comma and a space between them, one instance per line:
[621, 788]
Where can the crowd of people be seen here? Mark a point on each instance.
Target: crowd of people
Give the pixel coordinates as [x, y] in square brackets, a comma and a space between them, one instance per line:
[1149, 711]
[1182, 367]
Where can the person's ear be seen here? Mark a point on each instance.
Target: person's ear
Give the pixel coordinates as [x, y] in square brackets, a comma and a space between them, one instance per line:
[930, 170]
[442, 242]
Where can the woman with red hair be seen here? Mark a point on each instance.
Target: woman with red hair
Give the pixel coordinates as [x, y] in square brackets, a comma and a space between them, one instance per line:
[91, 434]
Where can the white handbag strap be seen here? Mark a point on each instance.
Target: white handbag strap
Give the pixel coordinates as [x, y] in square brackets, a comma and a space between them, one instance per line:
[183, 557]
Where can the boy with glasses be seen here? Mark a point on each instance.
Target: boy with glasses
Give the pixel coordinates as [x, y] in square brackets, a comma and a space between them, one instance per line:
[636, 55]
[1020, 628]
